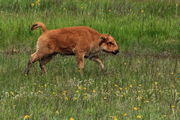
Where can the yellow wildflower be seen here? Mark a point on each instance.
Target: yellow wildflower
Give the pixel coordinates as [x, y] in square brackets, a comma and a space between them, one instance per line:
[146, 101]
[139, 91]
[114, 117]
[38, 1]
[38, 4]
[54, 93]
[26, 117]
[94, 91]
[64, 92]
[177, 5]
[135, 108]
[12, 93]
[80, 87]
[139, 98]
[71, 118]
[125, 114]
[142, 11]
[139, 116]
[173, 106]
[120, 88]
[57, 112]
[66, 98]
[32, 4]
[155, 83]
[116, 85]
[75, 98]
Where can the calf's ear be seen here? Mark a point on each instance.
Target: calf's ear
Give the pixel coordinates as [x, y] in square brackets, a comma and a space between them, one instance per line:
[103, 39]
[104, 36]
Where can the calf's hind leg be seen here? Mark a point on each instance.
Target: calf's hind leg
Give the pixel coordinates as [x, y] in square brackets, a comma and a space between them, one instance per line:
[34, 57]
[44, 61]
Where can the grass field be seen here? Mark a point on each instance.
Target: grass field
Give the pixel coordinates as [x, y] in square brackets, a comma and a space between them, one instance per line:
[141, 83]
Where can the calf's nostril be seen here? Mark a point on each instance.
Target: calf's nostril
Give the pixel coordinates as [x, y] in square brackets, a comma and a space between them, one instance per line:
[115, 52]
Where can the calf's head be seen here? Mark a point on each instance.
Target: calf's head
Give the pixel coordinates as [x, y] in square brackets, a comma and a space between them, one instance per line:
[108, 44]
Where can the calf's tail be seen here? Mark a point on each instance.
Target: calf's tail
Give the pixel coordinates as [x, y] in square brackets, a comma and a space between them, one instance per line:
[37, 25]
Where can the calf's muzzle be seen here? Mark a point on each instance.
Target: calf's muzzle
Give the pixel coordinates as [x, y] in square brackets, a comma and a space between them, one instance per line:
[115, 52]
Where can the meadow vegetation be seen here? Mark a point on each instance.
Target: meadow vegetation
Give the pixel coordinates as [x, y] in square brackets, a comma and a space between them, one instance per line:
[142, 82]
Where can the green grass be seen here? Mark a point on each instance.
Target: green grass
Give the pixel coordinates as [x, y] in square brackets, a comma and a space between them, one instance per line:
[149, 83]
[154, 30]
[145, 75]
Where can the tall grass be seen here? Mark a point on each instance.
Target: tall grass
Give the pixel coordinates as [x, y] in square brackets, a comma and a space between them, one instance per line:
[148, 83]
[148, 26]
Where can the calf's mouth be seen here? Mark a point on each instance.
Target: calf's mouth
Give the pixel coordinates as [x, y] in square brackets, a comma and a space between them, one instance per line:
[115, 52]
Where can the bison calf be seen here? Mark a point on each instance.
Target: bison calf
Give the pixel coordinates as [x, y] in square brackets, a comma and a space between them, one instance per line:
[79, 41]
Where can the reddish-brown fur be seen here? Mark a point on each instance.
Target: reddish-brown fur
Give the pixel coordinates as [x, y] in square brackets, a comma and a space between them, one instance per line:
[79, 41]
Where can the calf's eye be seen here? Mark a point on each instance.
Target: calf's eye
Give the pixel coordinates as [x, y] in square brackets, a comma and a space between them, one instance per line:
[109, 43]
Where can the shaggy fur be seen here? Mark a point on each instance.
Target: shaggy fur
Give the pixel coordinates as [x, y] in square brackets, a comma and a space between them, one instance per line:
[80, 41]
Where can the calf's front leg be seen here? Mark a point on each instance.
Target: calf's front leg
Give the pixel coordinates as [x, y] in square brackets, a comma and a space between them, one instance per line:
[97, 60]
[80, 61]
